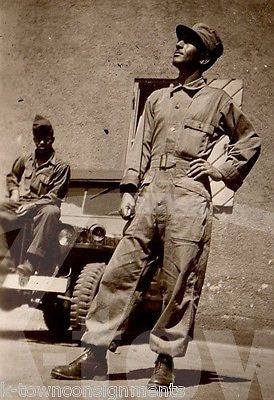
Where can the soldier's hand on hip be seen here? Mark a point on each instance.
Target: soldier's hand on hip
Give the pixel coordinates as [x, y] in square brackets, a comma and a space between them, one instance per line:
[201, 167]
[127, 208]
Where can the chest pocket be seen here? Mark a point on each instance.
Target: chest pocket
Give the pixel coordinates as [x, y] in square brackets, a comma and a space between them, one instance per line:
[43, 182]
[194, 137]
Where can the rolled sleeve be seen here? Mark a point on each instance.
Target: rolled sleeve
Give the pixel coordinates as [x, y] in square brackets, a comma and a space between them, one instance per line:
[231, 176]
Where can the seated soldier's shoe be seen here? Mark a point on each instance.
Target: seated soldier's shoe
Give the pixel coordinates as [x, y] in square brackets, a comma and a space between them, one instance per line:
[87, 366]
[163, 372]
[25, 271]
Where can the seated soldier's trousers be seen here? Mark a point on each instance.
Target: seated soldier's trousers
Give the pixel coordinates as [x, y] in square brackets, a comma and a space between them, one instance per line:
[179, 210]
[45, 219]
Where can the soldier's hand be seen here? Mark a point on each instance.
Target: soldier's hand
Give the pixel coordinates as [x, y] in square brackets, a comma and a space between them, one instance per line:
[14, 196]
[127, 208]
[201, 167]
[22, 210]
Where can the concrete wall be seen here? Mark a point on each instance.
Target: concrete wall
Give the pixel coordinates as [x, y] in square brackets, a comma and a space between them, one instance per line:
[74, 61]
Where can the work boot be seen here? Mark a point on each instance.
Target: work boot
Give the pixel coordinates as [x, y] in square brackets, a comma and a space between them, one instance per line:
[25, 271]
[163, 372]
[87, 366]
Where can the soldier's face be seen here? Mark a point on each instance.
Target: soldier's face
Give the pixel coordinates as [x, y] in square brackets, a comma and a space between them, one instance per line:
[43, 142]
[186, 54]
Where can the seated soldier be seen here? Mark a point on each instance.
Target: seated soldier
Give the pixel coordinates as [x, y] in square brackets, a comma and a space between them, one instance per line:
[36, 185]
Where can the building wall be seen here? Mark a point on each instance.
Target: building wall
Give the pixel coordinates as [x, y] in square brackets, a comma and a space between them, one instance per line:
[75, 61]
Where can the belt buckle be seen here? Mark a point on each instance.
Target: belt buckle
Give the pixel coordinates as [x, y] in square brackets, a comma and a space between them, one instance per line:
[163, 161]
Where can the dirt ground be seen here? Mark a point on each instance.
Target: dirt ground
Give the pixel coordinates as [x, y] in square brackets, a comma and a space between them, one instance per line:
[215, 367]
[75, 61]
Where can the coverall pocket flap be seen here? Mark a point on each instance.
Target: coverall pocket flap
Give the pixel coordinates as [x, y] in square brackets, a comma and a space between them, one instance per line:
[199, 125]
[192, 186]
[194, 137]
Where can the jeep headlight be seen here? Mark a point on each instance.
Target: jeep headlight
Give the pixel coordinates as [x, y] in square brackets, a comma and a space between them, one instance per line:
[67, 235]
[97, 233]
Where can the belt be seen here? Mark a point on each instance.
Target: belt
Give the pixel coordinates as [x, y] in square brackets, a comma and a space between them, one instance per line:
[166, 161]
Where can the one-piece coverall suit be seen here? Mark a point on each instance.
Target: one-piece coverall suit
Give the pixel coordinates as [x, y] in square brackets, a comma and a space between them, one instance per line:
[179, 124]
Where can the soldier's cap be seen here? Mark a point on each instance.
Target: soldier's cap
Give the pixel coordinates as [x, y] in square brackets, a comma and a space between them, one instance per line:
[203, 37]
[41, 125]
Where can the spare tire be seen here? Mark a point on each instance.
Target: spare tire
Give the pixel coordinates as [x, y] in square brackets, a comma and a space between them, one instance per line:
[85, 289]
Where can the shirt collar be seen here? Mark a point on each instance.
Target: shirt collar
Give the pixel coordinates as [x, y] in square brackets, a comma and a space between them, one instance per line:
[51, 160]
[195, 85]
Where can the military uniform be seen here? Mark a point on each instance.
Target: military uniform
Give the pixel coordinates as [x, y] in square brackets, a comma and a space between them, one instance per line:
[168, 172]
[179, 124]
[44, 184]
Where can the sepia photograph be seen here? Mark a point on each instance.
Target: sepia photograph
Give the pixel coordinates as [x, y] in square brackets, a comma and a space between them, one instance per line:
[136, 199]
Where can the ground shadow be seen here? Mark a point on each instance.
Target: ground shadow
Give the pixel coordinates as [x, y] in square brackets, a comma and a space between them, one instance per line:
[185, 377]
[191, 377]
[69, 338]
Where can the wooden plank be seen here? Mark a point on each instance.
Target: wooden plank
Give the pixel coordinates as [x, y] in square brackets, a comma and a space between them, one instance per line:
[238, 98]
[233, 87]
[218, 83]
[37, 283]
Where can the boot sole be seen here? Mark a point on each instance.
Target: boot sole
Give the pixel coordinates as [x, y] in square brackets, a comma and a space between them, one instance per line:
[157, 385]
[58, 375]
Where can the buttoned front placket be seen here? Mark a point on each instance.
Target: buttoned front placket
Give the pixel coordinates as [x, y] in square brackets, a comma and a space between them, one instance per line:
[180, 101]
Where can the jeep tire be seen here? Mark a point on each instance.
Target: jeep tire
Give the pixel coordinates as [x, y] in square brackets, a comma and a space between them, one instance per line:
[56, 313]
[85, 289]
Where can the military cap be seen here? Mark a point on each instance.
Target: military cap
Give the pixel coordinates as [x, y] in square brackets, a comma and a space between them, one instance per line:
[203, 37]
[41, 125]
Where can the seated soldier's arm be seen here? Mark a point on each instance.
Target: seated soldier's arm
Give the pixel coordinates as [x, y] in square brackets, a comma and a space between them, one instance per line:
[14, 177]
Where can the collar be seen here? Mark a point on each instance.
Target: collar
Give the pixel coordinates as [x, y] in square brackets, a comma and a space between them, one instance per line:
[51, 160]
[195, 85]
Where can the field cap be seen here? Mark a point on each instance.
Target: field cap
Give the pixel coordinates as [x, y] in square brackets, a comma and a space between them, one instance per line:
[41, 125]
[203, 37]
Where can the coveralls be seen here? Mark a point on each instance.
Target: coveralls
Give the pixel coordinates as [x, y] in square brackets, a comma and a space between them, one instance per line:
[179, 124]
[45, 185]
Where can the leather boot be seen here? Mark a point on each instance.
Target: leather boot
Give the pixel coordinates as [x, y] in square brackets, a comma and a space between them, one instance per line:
[163, 372]
[25, 271]
[87, 366]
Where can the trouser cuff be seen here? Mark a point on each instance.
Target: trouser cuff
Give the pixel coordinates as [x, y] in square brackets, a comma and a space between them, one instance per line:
[99, 351]
[36, 252]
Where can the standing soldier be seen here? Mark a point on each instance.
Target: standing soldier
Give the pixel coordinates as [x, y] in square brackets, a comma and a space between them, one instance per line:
[167, 193]
[36, 185]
